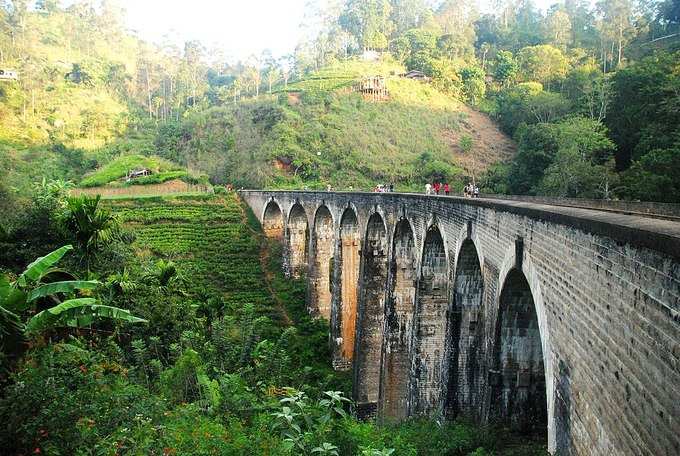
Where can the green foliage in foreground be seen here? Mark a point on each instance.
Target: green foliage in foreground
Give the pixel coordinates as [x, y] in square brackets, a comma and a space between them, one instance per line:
[33, 289]
[229, 362]
[121, 166]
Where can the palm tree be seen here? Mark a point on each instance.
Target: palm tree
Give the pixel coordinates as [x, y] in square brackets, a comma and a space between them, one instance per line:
[164, 272]
[21, 297]
[90, 224]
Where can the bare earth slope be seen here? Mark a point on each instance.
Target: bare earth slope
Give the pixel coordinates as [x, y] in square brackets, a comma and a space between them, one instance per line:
[490, 145]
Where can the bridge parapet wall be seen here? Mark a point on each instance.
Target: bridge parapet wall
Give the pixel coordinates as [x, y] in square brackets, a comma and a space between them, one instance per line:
[661, 210]
[606, 292]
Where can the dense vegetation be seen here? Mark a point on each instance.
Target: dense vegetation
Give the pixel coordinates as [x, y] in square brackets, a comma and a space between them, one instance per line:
[318, 134]
[226, 362]
[588, 91]
[164, 325]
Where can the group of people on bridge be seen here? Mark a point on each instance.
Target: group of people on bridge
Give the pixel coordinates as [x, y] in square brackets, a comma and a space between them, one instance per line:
[469, 191]
[384, 188]
[437, 188]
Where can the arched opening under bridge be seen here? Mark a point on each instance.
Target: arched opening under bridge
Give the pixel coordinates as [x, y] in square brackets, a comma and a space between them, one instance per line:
[272, 221]
[517, 380]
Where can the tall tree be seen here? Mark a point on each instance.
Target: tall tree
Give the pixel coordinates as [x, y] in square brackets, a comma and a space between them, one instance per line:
[408, 14]
[558, 25]
[616, 26]
[368, 21]
[457, 18]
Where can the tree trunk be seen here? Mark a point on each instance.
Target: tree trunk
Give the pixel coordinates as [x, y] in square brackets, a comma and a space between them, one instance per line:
[148, 93]
[618, 63]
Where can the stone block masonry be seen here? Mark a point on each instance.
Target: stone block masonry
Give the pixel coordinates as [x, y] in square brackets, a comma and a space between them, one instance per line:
[552, 318]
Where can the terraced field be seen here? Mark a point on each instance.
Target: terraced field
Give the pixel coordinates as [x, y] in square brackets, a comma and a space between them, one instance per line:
[210, 240]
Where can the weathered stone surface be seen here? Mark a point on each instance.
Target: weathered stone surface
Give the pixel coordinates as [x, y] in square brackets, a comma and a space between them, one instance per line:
[297, 236]
[371, 317]
[272, 221]
[321, 261]
[398, 338]
[557, 317]
[344, 325]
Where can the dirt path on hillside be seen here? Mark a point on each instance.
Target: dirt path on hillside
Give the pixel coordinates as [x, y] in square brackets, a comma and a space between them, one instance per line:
[489, 144]
[264, 264]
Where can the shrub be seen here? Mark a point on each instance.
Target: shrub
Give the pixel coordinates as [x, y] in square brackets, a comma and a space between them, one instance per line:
[180, 383]
[66, 398]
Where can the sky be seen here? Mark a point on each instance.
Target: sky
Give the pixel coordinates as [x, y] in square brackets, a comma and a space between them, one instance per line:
[239, 28]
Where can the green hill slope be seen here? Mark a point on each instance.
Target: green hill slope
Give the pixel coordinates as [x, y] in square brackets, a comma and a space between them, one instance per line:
[118, 168]
[318, 131]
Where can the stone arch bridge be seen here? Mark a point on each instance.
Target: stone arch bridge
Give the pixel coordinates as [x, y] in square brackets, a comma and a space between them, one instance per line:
[545, 318]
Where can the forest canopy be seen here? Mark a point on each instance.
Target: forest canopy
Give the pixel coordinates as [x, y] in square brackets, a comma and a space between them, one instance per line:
[88, 91]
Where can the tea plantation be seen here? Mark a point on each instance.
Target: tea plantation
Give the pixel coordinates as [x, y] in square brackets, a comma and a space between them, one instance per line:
[206, 237]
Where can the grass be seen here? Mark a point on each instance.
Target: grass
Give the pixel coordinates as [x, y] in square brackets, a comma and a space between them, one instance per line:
[348, 141]
[119, 167]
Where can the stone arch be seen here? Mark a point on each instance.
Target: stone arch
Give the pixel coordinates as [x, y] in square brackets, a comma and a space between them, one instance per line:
[518, 375]
[467, 334]
[320, 261]
[348, 265]
[367, 352]
[272, 221]
[399, 320]
[517, 257]
[297, 236]
[430, 325]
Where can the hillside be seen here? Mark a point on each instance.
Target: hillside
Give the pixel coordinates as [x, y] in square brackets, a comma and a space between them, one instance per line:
[317, 131]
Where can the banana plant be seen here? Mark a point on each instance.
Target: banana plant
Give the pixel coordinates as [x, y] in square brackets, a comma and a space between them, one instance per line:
[21, 296]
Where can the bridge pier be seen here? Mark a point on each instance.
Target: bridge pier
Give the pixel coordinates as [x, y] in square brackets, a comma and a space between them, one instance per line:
[370, 318]
[343, 318]
[401, 303]
[321, 262]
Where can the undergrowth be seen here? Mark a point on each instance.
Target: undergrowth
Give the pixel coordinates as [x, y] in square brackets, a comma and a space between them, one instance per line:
[217, 370]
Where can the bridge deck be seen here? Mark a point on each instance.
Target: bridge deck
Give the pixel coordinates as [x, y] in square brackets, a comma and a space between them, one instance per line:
[642, 230]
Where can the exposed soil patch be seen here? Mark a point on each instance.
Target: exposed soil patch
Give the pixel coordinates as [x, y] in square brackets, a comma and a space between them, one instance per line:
[489, 144]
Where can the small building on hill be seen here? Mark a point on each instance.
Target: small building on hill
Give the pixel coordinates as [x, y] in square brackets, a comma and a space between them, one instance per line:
[138, 173]
[8, 75]
[415, 74]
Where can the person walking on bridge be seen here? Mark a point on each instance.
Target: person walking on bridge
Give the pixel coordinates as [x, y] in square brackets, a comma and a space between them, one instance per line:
[428, 189]
[446, 188]
[437, 187]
